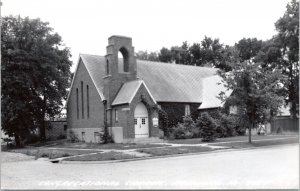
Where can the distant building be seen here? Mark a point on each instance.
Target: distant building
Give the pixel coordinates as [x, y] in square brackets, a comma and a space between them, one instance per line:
[284, 121]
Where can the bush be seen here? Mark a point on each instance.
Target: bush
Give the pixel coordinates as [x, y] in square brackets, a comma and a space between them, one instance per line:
[32, 138]
[207, 127]
[226, 126]
[184, 130]
[73, 137]
[61, 136]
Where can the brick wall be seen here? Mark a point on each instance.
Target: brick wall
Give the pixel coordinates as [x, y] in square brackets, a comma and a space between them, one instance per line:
[126, 115]
[57, 129]
[93, 123]
[176, 111]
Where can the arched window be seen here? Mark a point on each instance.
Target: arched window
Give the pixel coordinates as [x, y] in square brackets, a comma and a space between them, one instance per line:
[123, 60]
[82, 102]
[107, 67]
[77, 103]
[88, 101]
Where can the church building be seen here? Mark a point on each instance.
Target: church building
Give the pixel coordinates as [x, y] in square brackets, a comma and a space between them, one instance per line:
[126, 95]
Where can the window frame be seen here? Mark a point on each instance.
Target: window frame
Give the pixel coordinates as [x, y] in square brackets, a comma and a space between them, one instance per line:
[187, 110]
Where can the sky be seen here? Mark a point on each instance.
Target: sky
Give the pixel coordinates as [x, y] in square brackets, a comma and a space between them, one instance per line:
[86, 25]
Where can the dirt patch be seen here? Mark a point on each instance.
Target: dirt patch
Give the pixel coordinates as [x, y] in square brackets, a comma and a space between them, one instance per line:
[112, 155]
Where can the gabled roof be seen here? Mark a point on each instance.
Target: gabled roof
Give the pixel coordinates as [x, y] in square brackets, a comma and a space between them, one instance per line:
[91, 63]
[173, 82]
[128, 91]
[166, 82]
[212, 87]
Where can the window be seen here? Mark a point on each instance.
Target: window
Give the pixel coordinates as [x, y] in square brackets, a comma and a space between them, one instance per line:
[82, 136]
[143, 121]
[135, 121]
[88, 101]
[107, 67]
[77, 103]
[233, 109]
[116, 115]
[82, 103]
[97, 137]
[187, 110]
[65, 127]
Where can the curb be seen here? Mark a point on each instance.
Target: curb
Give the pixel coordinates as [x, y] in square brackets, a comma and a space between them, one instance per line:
[168, 156]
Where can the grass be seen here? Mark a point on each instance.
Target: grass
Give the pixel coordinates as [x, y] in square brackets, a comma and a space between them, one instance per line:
[51, 153]
[175, 150]
[229, 139]
[112, 155]
[261, 143]
[116, 146]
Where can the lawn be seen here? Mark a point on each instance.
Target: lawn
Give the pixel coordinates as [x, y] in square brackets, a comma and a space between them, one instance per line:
[112, 155]
[117, 146]
[51, 153]
[260, 143]
[230, 139]
[175, 150]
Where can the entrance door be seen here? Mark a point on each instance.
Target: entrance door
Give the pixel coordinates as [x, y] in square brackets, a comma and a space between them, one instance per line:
[141, 125]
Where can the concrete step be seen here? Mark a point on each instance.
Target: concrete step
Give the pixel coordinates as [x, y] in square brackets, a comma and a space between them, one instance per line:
[148, 140]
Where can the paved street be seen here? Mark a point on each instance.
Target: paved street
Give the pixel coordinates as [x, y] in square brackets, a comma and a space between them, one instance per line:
[269, 167]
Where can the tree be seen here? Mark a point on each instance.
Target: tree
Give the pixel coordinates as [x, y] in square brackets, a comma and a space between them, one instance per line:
[144, 55]
[207, 127]
[248, 48]
[35, 76]
[165, 55]
[288, 38]
[255, 92]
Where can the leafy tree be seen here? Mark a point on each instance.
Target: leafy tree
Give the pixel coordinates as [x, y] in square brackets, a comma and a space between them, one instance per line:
[144, 55]
[207, 127]
[35, 75]
[165, 55]
[248, 48]
[288, 38]
[255, 92]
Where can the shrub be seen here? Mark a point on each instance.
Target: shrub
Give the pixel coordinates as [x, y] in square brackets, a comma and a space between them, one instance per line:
[32, 138]
[61, 136]
[73, 137]
[106, 138]
[207, 127]
[184, 130]
[226, 126]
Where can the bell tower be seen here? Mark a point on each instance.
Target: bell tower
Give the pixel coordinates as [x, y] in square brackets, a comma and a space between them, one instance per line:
[118, 71]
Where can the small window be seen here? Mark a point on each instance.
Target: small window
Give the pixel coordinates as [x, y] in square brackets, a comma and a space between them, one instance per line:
[65, 127]
[82, 101]
[143, 121]
[82, 136]
[135, 121]
[187, 110]
[88, 101]
[233, 109]
[97, 137]
[107, 67]
[116, 115]
[77, 103]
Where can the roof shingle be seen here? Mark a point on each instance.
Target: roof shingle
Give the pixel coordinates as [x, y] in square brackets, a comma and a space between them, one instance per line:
[166, 82]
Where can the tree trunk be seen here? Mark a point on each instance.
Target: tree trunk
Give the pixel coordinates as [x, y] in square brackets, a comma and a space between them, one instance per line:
[250, 127]
[42, 122]
[18, 141]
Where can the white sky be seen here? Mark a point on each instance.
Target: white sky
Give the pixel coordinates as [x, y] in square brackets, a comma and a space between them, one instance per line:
[86, 25]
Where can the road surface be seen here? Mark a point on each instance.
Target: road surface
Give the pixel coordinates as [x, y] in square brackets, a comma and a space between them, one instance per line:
[263, 168]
